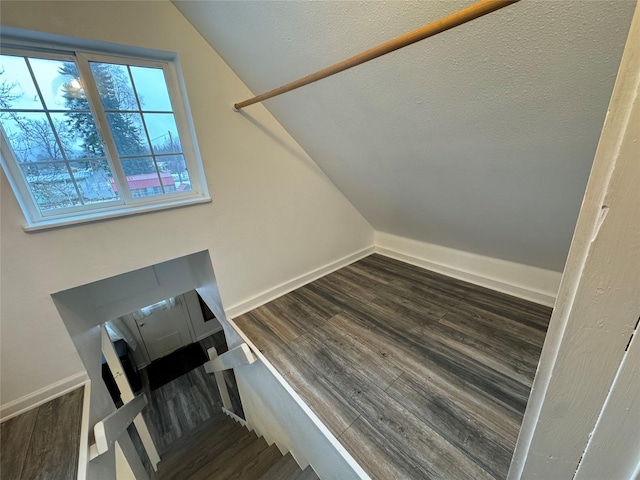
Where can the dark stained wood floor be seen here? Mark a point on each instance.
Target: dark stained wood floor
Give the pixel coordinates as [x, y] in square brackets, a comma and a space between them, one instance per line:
[178, 409]
[418, 375]
[180, 406]
[43, 443]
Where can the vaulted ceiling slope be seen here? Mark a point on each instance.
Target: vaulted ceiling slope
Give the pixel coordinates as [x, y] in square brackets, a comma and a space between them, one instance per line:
[479, 139]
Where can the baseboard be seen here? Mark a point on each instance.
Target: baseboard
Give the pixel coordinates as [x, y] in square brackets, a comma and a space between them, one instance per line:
[530, 283]
[286, 287]
[37, 398]
[523, 281]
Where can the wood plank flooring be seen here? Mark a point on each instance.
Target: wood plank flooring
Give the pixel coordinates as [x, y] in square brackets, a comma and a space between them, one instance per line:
[43, 443]
[177, 408]
[418, 375]
[180, 406]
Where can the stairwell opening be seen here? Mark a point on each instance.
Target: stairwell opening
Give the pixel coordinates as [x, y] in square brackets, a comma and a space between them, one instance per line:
[85, 310]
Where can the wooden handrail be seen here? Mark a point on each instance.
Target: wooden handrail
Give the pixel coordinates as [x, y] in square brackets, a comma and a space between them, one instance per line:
[464, 15]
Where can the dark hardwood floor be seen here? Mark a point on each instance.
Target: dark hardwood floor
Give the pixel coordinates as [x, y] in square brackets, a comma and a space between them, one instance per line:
[44, 442]
[418, 375]
[179, 407]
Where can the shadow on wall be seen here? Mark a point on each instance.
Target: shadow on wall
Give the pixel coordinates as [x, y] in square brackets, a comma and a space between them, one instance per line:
[296, 152]
[85, 308]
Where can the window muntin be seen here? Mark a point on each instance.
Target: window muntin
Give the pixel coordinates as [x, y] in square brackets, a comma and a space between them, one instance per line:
[34, 114]
[87, 133]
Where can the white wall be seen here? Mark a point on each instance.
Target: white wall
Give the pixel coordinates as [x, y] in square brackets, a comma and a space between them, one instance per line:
[274, 216]
[567, 420]
[479, 139]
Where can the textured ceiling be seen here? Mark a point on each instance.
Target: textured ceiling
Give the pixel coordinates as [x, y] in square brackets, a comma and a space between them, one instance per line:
[479, 139]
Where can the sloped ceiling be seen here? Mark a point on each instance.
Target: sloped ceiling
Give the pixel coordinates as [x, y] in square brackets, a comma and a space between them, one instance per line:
[479, 139]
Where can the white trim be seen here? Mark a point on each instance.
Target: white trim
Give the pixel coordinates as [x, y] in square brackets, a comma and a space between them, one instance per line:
[235, 417]
[290, 285]
[305, 408]
[83, 456]
[38, 41]
[43, 395]
[530, 283]
[182, 301]
[123, 212]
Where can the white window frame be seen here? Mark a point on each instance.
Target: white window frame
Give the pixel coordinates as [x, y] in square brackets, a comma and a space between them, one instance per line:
[125, 204]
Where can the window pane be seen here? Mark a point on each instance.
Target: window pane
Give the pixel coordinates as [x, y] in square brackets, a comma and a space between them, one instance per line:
[95, 180]
[31, 137]
[163, 132]
[58, 81]
[78, 134]
[142, 177]
[152, 89]
[176, 166]
[51, 185]
[72, 91]
[114, 86]
[128, 133]
[17, 90]
[138, 166]
[53, 129]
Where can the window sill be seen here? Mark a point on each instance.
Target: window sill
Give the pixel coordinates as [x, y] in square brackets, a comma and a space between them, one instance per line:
[121, 212]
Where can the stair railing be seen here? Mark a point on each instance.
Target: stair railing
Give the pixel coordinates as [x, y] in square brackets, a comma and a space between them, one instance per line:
[127, 395]
[108, 430]
[217, 364]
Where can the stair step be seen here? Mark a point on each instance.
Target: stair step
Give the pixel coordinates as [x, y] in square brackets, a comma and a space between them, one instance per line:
[233, 459]
[283, 469]
[257, 466]
[187, 456]
[287, 469]
[307, 474]
[225, 450]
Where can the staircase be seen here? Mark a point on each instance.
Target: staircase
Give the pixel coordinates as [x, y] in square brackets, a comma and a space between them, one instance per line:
[225, 450]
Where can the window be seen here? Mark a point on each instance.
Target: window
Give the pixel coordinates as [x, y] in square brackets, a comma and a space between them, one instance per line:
[88, 136]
